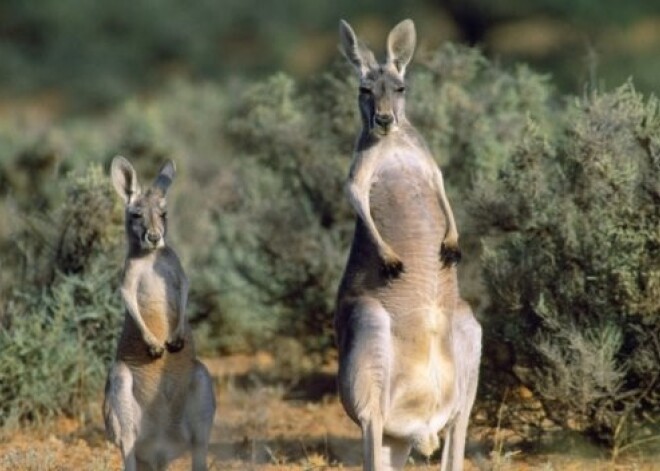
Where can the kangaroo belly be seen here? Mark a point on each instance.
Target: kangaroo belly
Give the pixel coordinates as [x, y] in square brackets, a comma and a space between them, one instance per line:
[157, 381]
[423, 386]
[409, 218]
[162, 382]
[402, 365]
[163, 432]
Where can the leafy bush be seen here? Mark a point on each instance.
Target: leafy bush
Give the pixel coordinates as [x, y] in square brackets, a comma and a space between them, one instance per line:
[572, 266]
[280, 246]
[473, 113]
[259, 215]
[563, 194]
[58, 334]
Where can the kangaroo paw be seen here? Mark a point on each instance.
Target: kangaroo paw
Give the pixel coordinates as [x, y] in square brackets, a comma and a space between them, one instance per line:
[155, 351]
[449, 255]
[392, 267]
[175, 345]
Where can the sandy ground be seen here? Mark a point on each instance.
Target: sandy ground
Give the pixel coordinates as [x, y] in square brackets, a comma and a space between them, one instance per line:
[261, 426]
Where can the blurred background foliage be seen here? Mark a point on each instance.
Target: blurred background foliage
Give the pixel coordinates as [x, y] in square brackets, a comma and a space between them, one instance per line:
[551, 159]
[82, 54]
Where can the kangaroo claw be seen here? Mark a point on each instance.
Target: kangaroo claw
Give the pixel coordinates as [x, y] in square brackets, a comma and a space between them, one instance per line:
[392, 267]
[449, 255]
[175, 345]
[156, 351]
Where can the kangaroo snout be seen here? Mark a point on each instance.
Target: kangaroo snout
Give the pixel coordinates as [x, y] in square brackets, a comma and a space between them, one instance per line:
[384, 120]
[153, 237]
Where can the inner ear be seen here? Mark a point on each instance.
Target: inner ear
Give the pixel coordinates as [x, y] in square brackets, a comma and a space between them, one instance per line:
[124, 179]
[357, 53]
[401, 45]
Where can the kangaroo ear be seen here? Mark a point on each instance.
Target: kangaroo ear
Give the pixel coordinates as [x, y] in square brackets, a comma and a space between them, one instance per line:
[165, 177]
[401, 45]
[124, 179]
[355, 50]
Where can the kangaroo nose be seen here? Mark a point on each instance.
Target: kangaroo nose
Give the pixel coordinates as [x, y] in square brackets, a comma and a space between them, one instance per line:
[384, 120]
[153, 237]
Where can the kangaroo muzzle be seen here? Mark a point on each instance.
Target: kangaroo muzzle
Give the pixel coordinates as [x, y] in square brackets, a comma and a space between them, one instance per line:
[384, 121]
[153, 238]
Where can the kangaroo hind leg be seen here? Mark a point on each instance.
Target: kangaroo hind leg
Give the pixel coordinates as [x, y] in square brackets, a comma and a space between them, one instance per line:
[365, 353]
[121, 413]
[467, 347]
[395, 453]
[200, 411]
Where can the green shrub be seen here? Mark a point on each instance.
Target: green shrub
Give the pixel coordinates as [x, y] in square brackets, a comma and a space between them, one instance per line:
[58, 334]
[564, 196]
[473, 112]
[57, 348]
[258, 207]
[572, 264]
[279, 252]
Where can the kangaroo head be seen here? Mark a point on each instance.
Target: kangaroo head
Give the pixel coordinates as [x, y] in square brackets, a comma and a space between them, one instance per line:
[146, 212]
[382, 86]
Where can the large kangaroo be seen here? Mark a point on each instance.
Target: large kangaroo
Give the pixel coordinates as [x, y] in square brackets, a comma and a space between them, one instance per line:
[409, 347]
[159, 399]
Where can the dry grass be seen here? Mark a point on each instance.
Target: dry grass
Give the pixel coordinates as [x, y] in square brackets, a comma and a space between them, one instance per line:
[258, 427]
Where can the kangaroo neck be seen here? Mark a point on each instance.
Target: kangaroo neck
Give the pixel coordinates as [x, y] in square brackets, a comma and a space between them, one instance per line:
[137, 252]
[404, 135]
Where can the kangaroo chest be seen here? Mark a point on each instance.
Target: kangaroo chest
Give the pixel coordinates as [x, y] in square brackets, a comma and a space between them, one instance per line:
[157, 295]
[157, 292]
[157, 304]
[405, 207]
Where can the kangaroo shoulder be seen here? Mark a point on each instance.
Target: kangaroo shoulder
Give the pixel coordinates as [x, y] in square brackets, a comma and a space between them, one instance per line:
[134, 270]
[169, 266]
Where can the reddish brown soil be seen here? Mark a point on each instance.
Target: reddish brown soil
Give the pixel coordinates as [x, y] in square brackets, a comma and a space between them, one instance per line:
[262, 426]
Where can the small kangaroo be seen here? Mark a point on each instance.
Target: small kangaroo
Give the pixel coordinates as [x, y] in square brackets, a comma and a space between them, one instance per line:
[159, 399]
[409, 346]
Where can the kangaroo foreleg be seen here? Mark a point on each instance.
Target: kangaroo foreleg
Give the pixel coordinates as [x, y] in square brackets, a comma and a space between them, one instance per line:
[121, 414]
[200, 409]
[450, 253]
[358, 189]
[130, 301]
[176, 341]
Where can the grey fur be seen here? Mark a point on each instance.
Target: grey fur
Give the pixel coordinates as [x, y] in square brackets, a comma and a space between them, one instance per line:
[159, 399]
[409, 346]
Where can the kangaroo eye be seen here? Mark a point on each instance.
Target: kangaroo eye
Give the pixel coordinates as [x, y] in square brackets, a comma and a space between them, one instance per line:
[163, 214]
[365, 90]
[135, 215]
[400, 89]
